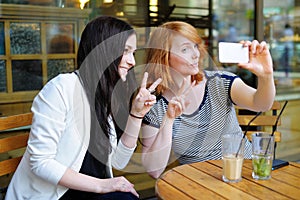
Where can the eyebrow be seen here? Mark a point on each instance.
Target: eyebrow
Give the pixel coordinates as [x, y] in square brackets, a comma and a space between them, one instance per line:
[129, 46]
[187, 43]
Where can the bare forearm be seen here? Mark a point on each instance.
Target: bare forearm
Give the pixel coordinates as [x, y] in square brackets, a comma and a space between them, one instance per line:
[131, 132]
[82, 182]
[265, 93]
[155, 157]
[78, 181]
[156, 162]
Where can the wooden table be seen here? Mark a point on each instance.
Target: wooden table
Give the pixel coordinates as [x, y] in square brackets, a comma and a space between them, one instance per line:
[203, 180]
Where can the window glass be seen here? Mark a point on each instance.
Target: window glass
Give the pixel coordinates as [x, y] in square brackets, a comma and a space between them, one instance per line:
[38, 40]
[27, 75]
[233, 21]
[2, 76]
[282, 29]
[2, 41]
[25, 38]
[57, 66]
[59, 38]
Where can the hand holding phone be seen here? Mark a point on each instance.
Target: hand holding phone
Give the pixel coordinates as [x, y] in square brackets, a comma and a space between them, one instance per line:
[233, 53]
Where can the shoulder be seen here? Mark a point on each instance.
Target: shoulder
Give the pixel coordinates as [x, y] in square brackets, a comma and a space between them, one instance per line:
[220, 83]
[220, 74]
[59, 90]
[62, 79]
[62, 82]
[220, 78]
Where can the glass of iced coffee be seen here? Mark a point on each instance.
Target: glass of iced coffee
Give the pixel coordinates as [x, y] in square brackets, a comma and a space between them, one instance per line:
[233, 157]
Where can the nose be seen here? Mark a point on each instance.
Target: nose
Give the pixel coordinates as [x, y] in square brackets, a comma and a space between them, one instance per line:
[196, 54]
[130, 60]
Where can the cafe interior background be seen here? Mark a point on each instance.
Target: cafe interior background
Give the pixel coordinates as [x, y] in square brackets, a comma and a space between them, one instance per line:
[39, 39]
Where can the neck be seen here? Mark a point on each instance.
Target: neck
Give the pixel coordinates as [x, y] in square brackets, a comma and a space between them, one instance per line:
[178, 80]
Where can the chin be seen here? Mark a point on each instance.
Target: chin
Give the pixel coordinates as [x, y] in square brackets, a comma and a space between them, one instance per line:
[195, 72]
[123, 78]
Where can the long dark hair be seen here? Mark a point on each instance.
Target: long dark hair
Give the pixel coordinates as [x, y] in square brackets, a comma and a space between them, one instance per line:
[100, 52]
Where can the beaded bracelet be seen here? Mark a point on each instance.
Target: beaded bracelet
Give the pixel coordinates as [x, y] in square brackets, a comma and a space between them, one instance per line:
[132, 115]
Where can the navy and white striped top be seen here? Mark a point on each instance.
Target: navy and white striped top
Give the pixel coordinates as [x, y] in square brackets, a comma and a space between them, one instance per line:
[197, 137]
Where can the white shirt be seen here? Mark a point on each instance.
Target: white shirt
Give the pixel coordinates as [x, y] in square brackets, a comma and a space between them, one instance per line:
[59, 139]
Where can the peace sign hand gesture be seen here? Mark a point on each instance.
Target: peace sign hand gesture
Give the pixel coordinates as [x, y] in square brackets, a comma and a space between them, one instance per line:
[144, 100]
[179, 102]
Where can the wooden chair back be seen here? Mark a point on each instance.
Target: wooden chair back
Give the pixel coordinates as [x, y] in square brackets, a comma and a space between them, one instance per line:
[14, 132]
[264, 123]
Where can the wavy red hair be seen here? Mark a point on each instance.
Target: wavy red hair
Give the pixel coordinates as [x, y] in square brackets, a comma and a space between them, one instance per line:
[158, 52]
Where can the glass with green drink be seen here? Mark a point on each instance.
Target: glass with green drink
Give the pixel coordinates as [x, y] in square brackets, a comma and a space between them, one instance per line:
[262, 155]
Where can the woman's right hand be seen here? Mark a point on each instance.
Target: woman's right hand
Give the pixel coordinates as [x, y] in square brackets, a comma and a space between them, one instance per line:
[144, 100]
[179, 102]
[119, 184]
[78, 181]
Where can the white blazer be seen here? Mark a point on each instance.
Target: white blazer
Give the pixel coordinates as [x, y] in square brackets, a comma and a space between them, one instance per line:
[59, 139]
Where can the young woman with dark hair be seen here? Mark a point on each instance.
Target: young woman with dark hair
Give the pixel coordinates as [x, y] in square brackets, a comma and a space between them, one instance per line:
[86, 122]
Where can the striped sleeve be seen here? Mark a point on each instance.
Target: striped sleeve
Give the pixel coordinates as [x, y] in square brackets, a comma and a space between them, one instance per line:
[155, 115]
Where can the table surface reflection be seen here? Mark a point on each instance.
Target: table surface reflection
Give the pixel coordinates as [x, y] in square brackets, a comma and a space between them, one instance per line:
[203, 180]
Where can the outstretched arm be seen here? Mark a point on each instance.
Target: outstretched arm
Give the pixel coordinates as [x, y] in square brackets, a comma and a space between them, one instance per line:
[260, 64]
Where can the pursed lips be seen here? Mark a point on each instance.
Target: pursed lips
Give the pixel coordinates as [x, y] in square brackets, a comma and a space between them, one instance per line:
[194, 64]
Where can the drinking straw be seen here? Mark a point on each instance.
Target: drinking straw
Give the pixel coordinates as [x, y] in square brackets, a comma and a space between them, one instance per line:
[275, 126]
[246, 130]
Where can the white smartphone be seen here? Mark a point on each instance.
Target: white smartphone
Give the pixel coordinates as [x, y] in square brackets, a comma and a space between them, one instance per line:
[230, 52]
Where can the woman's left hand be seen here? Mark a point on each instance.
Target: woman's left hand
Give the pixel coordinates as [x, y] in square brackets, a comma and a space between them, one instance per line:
[144, 100]
[260, 60]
